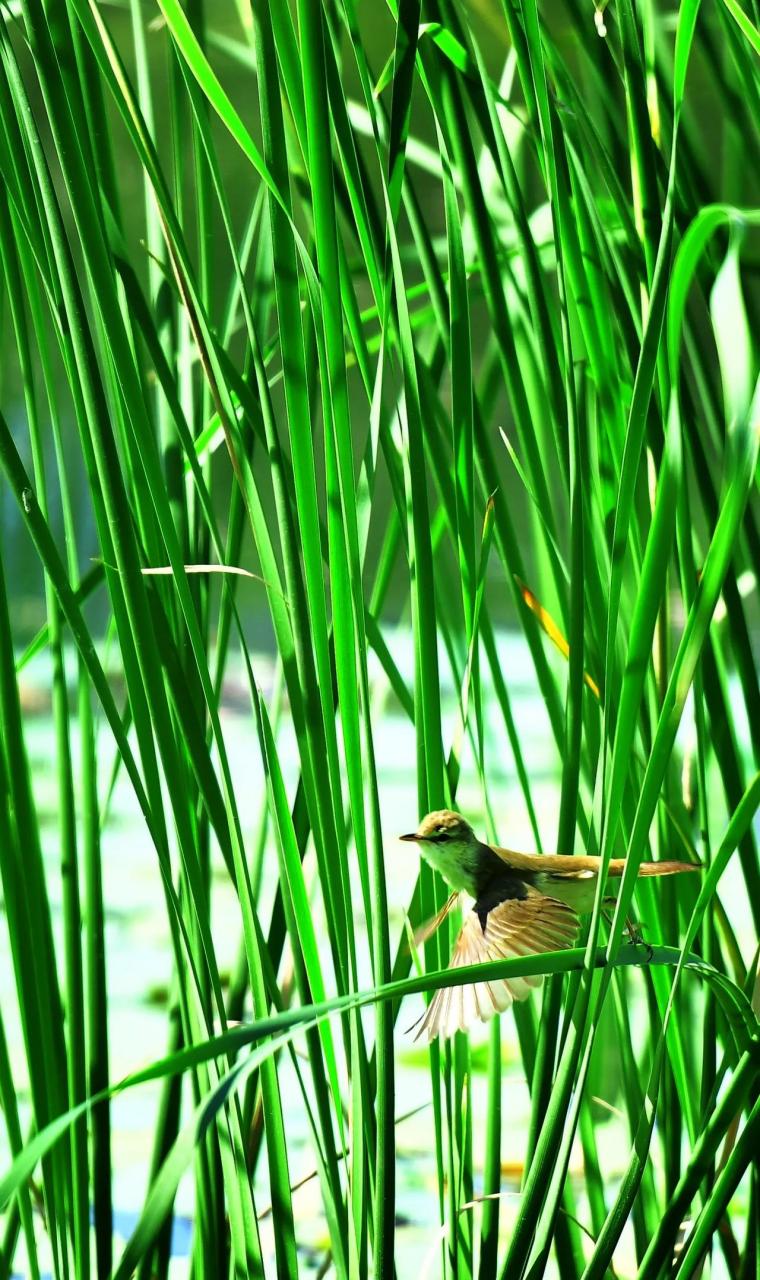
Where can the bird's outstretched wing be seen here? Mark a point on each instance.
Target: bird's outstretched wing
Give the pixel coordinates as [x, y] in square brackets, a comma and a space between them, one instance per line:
[514, 927]
[428, 928]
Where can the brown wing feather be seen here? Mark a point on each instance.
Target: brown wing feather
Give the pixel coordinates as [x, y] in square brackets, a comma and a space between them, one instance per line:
[428, 927]
[577, 864]
[516, 927]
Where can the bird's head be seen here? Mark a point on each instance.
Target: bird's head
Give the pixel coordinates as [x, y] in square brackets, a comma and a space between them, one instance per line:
[442, 827]
[447, 840]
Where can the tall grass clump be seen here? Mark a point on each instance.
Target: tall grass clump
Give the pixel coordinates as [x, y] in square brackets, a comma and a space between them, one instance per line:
[433, 320]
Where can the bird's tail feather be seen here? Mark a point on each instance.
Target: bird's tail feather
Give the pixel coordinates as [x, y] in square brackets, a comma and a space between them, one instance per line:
[665, 868]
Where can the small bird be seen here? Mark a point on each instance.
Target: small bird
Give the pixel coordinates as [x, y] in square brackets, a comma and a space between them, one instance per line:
[525, 903]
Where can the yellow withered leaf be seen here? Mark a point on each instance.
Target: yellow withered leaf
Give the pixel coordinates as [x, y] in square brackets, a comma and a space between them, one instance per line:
[552, 630]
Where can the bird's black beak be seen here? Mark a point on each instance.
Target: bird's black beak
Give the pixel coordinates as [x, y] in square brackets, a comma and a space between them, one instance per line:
[412, 837]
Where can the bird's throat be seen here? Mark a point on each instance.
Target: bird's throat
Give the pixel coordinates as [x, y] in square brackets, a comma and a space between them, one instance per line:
[457, 862]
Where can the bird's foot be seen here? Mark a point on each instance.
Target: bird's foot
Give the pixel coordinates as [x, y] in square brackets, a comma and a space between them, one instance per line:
[637, 938]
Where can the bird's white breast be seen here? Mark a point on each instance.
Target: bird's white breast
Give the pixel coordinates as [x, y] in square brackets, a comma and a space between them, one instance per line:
[577, 890]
